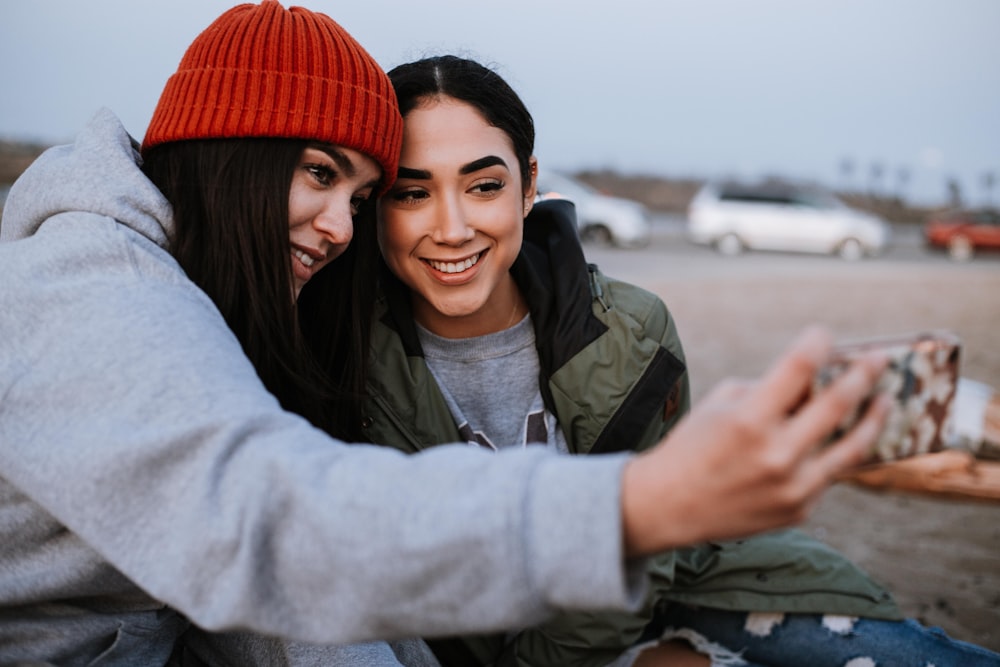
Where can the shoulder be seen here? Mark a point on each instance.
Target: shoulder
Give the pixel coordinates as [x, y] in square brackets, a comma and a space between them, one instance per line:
[626, 299]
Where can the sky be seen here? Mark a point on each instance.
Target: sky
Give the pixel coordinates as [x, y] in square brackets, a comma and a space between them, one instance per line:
[890, 96]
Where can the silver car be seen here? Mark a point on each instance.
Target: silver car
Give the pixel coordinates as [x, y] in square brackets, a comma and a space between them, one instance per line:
[781, 216]
[600, 217]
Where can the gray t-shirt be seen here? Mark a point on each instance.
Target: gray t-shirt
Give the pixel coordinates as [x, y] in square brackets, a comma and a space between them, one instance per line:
[491, 385]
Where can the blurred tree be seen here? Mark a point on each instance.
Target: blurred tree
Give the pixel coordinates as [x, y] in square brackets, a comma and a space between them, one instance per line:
[954, 193]
[989, 180]
[847, 173]
[902, 180]
[875, 180]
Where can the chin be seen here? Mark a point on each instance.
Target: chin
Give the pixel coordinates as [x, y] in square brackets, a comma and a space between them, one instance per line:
[457, 310]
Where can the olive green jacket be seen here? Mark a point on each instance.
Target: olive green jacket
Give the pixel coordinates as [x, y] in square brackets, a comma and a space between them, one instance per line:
[613, 374]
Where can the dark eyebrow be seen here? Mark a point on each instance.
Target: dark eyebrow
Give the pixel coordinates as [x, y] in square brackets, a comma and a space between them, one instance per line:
[482, 163]
[342, 161]
[465, 169]
[418, 174]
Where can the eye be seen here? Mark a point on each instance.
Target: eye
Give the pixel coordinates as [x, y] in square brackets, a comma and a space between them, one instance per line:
[322, 173]
[488, 186]
[407, 195]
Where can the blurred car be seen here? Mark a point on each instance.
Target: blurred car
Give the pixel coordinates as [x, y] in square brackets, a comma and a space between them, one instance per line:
[600, 217]
[964, 232]
[782, 216]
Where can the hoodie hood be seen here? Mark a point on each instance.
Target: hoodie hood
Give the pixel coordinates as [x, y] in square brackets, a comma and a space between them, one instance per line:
[99, 174]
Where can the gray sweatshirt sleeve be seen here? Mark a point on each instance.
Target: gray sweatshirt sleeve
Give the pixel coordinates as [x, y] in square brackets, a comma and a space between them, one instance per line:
[129, 413]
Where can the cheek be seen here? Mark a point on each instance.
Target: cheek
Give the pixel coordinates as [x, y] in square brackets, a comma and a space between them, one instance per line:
[294, 212]
[298, 201]
[517, 232]
[509, 229]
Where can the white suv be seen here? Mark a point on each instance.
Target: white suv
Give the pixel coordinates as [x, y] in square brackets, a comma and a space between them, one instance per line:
[600, 217]
[782, 216]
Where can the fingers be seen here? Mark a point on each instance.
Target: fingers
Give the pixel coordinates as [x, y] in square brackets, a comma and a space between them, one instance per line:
[855, 447]
[818, 418]
[797, 496]
[782, 387]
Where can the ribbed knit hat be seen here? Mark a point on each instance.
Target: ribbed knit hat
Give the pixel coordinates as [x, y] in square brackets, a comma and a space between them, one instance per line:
[261, 70]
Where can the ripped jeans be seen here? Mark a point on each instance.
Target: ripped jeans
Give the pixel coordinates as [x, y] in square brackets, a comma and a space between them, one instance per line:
[812, 640]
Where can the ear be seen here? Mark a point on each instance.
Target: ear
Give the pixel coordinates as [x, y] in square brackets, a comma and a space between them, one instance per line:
[531, 186]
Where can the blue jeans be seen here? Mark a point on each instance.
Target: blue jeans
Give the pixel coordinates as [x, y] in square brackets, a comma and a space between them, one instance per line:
[813, 640]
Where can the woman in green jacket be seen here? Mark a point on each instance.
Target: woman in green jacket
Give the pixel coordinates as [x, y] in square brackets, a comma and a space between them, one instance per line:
[492, 329]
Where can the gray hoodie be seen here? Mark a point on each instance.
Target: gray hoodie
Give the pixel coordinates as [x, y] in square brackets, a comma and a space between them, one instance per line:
[145, 469]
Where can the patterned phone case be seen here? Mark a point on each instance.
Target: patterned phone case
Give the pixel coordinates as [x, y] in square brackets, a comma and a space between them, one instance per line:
[922, 377]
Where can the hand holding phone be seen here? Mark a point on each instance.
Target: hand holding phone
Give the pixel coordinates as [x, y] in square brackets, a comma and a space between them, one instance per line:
[921, 377]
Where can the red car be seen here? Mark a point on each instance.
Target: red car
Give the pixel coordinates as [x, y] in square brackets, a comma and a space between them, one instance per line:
[962, 233]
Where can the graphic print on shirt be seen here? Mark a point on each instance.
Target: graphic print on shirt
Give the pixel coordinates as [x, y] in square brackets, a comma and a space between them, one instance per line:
[490, 384]
[536, 432]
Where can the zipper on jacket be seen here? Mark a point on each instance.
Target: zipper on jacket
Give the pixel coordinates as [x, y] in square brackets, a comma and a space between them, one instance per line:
[596, 289]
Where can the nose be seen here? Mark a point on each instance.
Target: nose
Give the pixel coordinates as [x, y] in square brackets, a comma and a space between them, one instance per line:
[451, 224]
[336, 222]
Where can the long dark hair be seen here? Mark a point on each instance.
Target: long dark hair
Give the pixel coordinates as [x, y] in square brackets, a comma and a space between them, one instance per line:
[230, 204]
[468, 81]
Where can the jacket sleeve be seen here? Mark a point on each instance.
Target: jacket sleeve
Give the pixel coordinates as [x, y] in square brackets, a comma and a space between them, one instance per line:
[130, 414]
[678, 402]
[574, 640]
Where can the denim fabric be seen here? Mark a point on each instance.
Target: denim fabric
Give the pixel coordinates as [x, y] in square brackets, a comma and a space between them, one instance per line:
[811, 640]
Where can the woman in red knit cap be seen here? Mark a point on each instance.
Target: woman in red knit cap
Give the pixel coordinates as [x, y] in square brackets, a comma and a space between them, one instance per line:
[277, 124]
[165, 436]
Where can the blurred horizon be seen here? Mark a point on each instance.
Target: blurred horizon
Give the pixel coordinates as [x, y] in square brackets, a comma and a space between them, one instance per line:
[890, 98]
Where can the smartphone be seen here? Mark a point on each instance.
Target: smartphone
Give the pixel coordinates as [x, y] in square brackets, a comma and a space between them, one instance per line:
[922, 378]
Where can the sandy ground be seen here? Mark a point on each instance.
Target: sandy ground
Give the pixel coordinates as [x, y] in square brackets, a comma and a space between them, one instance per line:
[940, 558]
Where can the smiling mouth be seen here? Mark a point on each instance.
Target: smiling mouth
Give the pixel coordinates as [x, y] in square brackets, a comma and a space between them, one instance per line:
[303, 257]
[454, 267]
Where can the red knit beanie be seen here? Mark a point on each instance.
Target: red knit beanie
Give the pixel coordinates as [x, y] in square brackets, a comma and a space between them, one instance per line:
[266, 71]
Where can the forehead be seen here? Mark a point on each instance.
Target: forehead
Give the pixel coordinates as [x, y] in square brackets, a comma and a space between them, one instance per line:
[446, 129]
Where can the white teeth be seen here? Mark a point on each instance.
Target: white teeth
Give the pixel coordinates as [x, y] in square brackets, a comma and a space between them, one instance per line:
[454, 267]
[304, 258]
